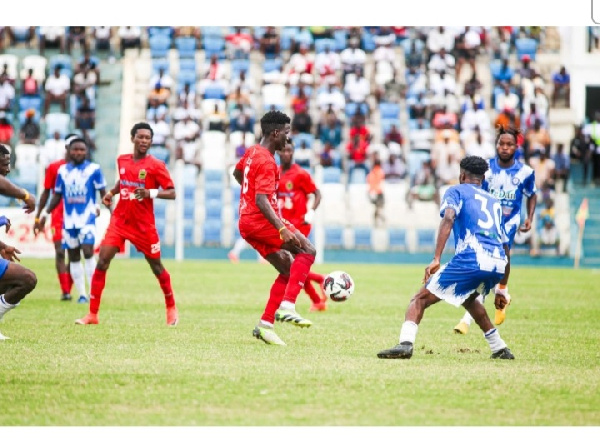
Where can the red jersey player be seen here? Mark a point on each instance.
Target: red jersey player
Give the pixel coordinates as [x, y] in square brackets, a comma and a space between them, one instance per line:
[140, 177]
[295, 185]
[278, 241]
[64, 277]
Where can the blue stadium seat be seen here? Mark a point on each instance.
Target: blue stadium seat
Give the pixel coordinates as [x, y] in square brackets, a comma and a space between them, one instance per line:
[341, 39]
[213, 209]
[160, 153]
[368, 42]
[397, 239]
[213, 175]
[188, 231]
[36, 117]
[211, 31]
[332, 175]
[358, 176]
[214, 46]
[186, 46]
[164, 31]
[159, 46]
[64, 61]
[235, 195]
[307, 138]
[271, 65]
[26, 102]
[213, 191]
[189, 211]
[214, 92]
[187, 64]
[160, 63]
[425, 239]
[160, 208]
[321, 44]
[334, 237]
[287, 34]
[362, 238]
[526, 46]
[389, 110]
[189, 193]
[238, 65]
[186, 77]
[351, 108]
[212, 232]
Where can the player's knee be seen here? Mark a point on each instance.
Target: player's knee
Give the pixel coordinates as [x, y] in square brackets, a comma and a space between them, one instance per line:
[28, 280]
[309, 248]
[102, 264]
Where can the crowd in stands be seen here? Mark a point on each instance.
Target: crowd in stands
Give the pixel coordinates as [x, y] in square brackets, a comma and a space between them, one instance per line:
[386, 105]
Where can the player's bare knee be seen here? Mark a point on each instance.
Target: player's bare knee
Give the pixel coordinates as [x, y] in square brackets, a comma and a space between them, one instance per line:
[28, 280]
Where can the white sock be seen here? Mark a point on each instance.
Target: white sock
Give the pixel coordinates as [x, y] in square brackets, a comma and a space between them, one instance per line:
[467, 319]
[90, 266]
[409, 331]
[288, 306]
[78, 277]
[267, 324]
[4, 306]
[494, 340]
[239, 245]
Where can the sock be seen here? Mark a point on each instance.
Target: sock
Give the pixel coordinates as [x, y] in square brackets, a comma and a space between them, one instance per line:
[90, 267]
[239, 245]
[78, 277]
[5, 306]
[409, 331]
[494, 340]
[467, 319]
[318, 278]
[298, 273]
[70, 281]
[65, 281]
[98, 282]
[275, 296]
[312, 293]
[164, 279]
[267, 324]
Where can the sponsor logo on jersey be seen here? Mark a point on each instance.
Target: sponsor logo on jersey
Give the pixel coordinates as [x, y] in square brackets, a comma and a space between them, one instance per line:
[501, 194]
[289, 186]
[142, 174]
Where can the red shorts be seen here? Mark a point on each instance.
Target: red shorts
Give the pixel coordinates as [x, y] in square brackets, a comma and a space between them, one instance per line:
[263, 237]
[304, 229]
[56, 224]
[145, 241]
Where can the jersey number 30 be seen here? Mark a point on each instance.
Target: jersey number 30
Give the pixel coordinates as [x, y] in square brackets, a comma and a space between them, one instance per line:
[489, 221]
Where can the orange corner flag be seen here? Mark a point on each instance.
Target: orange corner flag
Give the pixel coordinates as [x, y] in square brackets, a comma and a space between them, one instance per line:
[583, 213]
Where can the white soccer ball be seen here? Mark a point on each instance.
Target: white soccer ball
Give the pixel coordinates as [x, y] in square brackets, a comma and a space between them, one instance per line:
[338, 285]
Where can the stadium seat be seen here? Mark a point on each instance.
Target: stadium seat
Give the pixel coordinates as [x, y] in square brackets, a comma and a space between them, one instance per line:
[239, 65]
[332, 175]
[274, 95]
[389, 110]
[341, 39]
[235, 138]
[321, 44]
[397, 239]
[188, 231]
[214, 46]
[189, 194]
[187, 64]
[160, 209]
[160, 63]
[160, 153]
[189, 211]
[307, 138]
[526, 46]
[214, 209]
[425, 239]
[287, 34]
[271, 65]
[37, 63]
[213, 191]
[362, 238]
[186, 77]
[214, 92]
[334, 237]
[358, 176]
[190, 174]
[64, 61]
[58, 122]
[159, 46]
[351, 107]
[26, 102]
[212, 233]
[212, 31]
[186, 47]
[368, 42]
[213, 176]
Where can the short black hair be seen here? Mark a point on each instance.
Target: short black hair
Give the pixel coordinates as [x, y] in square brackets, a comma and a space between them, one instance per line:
[513, 131]
[4, 150]
[141, 126]
[474, 165]
[273, 120]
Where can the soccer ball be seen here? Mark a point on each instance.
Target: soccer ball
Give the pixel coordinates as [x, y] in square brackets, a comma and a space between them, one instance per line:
[338, 285]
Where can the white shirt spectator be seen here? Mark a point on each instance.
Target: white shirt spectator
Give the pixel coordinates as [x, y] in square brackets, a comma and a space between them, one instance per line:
[510, 101]
[181, 113]
[385, 53]
[483, 149]
[132, 32]
[439, 85]
[166, 81]
[7, 93]
[439, 62]
[161, 130]
[335, 98]
[477, 118]
[472, 39]
[186, 130]
[437, 40]
[51, 151]
[357, 88]
[51, 33]
[353, 57]
[539, 99]
[328, 63]
[58, 85]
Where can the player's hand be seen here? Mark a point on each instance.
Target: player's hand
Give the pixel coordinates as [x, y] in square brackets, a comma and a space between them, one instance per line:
[309, 217]
[289, 238]
[10, 253]
[500, 301]
[39, 225]
[431, 269]
[526, 226]
[141, 193]
[97, 210]
[107, 199]
[29, 204]
[5, 222]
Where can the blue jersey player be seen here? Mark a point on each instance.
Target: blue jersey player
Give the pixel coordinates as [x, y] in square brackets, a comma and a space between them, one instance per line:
[478, 264]
[508, 180]
[76, 185]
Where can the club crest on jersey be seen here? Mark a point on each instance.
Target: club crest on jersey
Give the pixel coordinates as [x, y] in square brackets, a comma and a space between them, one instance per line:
[516, 181]
[142, 174]
[122, 171]
[289, 186]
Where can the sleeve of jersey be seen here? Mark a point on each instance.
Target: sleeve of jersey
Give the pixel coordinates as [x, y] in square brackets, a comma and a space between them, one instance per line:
[308, 185]
[50, 178]
[529, 185]
[99, 180]
[265, 178]
[452, 200]
[163, 178]
[240, 164]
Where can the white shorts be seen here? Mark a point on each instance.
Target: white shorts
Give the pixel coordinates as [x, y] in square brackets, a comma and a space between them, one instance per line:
[74, 238]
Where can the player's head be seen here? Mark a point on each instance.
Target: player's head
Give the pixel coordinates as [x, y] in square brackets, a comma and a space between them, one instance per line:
[275, 127]
[76, 150]
[4, 160]
[287, 153]
[472, 169]
[141, 136]
[506, 143]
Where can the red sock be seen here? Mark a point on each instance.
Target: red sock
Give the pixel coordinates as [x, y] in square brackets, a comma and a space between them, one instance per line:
[312, 293]
[65, 281]
[315, 277]
[298, 273]
[275, 296]
[97, 286]
[164, 279]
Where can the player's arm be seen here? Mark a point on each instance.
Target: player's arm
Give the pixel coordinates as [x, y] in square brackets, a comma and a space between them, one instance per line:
[238, 175]
[443, 234]
[9, 252]
[107, 197]
[54, 201]
[262, 202]
[316, 201]
[164, 194]
[531, 203]
[42, 203]
[8, 189]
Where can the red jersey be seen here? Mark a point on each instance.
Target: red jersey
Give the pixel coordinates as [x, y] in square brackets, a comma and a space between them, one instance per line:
[260, 176]
[147, 173]
[50, 182]
[292, 192]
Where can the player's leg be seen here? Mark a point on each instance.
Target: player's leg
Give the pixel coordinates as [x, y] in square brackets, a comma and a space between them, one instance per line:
[502, 289]
[164, 280]
[62, 270]
[317, 300]
[89, 261]
[492, 336]
[17, 282]
[465, 322]
[408, 334]
[72, 244]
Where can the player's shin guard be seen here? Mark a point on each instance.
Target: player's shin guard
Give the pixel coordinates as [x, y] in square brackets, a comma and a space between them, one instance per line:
[298, 273]
[98, 282]
[275, 297]
[164, 279]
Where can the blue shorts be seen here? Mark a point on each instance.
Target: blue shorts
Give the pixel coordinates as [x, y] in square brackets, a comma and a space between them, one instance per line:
[463, 276]
[3, 266]
[74, 238]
